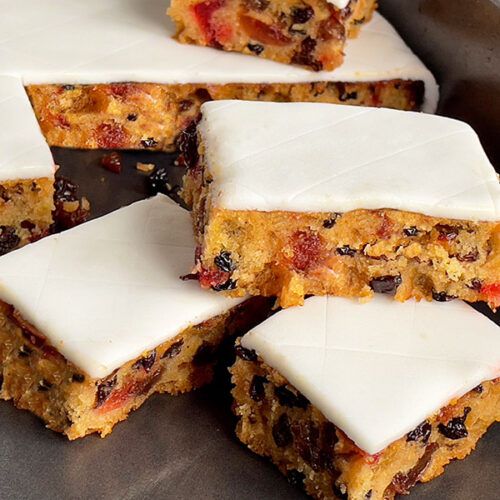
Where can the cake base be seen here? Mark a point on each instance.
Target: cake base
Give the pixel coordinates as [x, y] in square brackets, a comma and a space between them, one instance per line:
[150, 116]
[36, 377]
[291, 255]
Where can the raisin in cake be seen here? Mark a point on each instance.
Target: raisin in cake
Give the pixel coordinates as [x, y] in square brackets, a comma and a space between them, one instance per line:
[129, 85]
[26, 170]
[310, 34]
[95, 320]
[362, 401]
[299, 199]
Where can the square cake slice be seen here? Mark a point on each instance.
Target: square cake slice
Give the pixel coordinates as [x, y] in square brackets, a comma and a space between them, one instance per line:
[293, 199]
[362, 401]
[94, 320]
[26, 170]
[310, 34]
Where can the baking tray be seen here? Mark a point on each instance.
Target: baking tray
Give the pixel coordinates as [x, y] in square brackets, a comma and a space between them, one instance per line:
[184, 447]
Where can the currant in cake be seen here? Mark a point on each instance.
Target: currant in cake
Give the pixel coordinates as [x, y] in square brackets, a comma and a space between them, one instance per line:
[358, 401]
[309, 33]
[26, 171]
[95, 320]
[297, 199]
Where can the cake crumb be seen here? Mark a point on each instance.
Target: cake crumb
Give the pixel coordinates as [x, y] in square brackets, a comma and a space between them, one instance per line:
[145, 167]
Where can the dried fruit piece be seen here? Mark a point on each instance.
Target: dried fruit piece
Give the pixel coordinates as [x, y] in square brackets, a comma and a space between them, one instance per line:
[110, 135]
[491, 293]
[257, 388]
[8, 239]
[282, 434]
[330, 222]
[331, 29]
[385, 284]
[204, 13]
[306, 247]
[246, 354]
[446, 232]
[411, 231]
[104, 390]
[173, 350]
[305, 57]
[150, 142]
[455, 428]
[301, 15]
[403, 482]
[346, 250]
[288, 398]
[421, 433]
[224, 262]
[146, 363]
[256, 48]
[44, 385]
[112, 162]
[442, 296]
[187, 143]
[267, 34]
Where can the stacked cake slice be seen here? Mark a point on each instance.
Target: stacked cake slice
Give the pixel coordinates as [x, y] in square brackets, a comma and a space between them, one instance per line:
[352, 400]
[310, 34]
[298, 199]
[362, 401]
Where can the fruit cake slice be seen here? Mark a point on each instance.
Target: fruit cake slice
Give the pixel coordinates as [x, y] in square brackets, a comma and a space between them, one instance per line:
[298, 199]
[26, 170]
[95, 320]
[362, 401]
[124, 100]
[309, 33]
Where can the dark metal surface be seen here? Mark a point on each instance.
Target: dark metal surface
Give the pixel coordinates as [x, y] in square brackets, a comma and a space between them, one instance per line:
[183, 447]
[460, 42]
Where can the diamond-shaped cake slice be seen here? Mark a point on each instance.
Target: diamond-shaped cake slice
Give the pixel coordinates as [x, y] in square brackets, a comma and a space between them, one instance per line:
[26, 170]
[105, 93]
[310, 35]
[96, 319]
[364, 400]
[309, 198]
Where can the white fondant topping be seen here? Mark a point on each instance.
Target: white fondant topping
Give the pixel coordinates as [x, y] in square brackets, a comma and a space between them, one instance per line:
[340, 4]
[379, 369]
[24, 154]
[96, 41]
[108, 290]
[311, 157]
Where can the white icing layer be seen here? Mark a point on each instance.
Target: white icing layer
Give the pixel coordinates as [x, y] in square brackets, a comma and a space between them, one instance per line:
[340, 4]
[71, 41]
[379, 369]
[108, 290]
[309, 157]
[24, 154]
